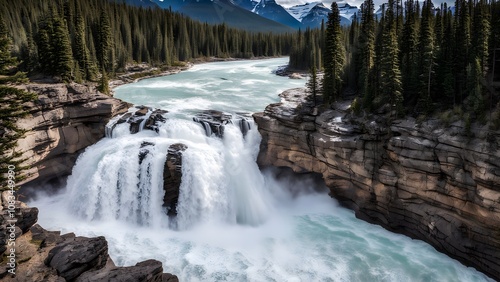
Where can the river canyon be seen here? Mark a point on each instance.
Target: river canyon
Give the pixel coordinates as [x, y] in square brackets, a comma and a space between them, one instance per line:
[234, 220]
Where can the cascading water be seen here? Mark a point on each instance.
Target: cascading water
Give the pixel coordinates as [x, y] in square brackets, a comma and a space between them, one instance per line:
[121, 178]
[234, 222]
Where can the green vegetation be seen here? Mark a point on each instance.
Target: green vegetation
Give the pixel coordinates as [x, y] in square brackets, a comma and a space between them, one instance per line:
[91, 40]
[414, 57]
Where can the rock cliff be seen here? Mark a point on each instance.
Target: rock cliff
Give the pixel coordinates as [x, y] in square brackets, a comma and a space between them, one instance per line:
[64, 120]
[424, 180]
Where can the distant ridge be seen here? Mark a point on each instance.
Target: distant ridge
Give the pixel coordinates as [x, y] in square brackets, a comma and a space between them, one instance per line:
[224, 11]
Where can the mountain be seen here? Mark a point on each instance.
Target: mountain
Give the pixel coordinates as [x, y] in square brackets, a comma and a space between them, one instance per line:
[246, 4]
[347, 12]
[224, 11]
[312, 14]
[316, 15]
[300, 11]
[271, 10]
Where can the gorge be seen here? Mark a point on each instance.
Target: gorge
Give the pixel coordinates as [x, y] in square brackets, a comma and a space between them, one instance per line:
[235, 222]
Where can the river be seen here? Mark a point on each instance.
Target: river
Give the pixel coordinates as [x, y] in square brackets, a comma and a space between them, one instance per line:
[235, 222]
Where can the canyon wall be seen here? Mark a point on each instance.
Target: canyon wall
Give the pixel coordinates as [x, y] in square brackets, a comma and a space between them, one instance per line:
[425, 180]
[63, 121]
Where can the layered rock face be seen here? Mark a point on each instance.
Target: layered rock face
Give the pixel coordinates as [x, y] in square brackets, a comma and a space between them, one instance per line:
[64, 120]
[423, 180]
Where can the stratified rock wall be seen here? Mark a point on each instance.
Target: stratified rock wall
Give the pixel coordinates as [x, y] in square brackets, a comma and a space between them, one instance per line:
[422, 180]
[64, 120]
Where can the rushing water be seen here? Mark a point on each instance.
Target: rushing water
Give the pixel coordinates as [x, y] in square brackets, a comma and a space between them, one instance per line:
[234, 223]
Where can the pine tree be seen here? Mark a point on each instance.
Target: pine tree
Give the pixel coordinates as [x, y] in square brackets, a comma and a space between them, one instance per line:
[390, 75]
[481, 31]
[13, 100]
[81, 50]
[313, 85]
[6, 58]
[61, 50]
[103, 41]
[367, 52]
[408, 55]
[462, 47]
[333, 57]
[445, 78]
[426, 55]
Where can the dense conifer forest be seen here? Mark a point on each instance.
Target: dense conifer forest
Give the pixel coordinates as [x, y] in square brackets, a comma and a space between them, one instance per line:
[413, 55]
[92, 39]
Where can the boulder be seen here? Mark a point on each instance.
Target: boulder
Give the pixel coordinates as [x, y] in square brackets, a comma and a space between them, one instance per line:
[146, 271]
[74, 256]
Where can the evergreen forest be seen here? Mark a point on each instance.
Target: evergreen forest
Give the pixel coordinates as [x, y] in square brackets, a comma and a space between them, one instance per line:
[413, 56]
[86, 40]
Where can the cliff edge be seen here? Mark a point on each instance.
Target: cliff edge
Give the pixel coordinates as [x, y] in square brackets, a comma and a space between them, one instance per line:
[424, 180]
[64, 120]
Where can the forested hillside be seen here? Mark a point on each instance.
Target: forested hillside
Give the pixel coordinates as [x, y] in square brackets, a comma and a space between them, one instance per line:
[82, 39]
[415, 57]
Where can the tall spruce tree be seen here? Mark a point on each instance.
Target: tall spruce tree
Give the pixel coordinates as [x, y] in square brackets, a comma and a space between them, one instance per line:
[13, 100]
[426, 56]
[462, 48]
[409, 62]
[313, 85]
[390, 75]
[6, 58]
[333, 57]
[61, 49]
[366, 52]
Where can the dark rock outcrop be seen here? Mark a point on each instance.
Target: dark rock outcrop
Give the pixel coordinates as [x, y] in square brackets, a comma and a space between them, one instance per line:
[138, 118]
[64, 120]
[43, 255]
[419, 179]
[146, 271]
[74, 256]
[172, 176]
[213, 122]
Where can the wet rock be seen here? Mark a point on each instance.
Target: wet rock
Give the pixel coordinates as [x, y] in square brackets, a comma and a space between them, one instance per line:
[140, 118]
[155, 119]
[213, 122]
[74, 256]
[172, 177]
[423, 180]
[45, 237]
[26, 218]
[146, 271]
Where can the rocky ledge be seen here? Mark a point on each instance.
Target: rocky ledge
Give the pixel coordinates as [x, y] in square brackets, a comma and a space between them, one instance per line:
[424, 180]
[64, 120]
[42, 255]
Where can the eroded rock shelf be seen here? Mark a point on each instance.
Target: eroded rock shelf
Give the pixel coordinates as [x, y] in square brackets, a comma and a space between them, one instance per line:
[423, 180]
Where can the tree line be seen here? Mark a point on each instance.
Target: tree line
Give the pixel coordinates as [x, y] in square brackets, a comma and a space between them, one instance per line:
[413, 56]
[88, 40]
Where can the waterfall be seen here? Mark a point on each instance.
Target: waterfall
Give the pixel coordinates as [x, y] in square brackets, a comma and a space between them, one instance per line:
[121, 178]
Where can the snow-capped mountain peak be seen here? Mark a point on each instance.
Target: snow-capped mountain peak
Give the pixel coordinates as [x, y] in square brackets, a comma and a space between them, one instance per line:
[300, 11]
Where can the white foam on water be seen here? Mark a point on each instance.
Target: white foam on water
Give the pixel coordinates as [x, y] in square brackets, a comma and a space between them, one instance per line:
[234, 223]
